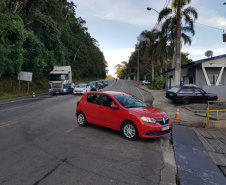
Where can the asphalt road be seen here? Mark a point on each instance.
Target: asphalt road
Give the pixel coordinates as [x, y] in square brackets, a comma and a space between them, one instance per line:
[41, 144]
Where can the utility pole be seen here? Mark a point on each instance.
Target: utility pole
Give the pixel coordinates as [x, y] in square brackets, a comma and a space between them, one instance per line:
[138, 58]
[177, 75]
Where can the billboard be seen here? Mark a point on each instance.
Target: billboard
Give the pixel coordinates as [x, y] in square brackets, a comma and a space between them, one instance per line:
[25, 76]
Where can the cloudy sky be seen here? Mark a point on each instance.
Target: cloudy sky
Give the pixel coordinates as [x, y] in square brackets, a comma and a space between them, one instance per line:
[116, 24]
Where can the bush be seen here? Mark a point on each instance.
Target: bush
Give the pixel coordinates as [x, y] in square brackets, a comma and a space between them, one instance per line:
[158, 83]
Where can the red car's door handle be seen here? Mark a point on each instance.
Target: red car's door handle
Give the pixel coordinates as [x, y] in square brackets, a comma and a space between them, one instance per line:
[101, 110]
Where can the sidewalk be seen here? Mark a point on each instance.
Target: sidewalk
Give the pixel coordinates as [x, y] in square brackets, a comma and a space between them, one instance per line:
[200, 153]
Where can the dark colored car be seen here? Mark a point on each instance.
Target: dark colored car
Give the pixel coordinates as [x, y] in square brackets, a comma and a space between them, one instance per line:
[101, 84]
[94, 86]
[105, 82]
[186, 95]
[123, 112]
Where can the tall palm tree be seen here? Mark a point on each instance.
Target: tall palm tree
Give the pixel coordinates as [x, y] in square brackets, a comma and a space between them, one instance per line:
[187, 16]
[148, 46]
[163, 51]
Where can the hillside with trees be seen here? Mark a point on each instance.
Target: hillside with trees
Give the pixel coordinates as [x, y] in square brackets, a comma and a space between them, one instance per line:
[37, 35]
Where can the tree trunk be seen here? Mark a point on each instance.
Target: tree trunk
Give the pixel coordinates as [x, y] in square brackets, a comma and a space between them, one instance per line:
[152, 70]
[174, 53]
[161, 72]
[178, 43]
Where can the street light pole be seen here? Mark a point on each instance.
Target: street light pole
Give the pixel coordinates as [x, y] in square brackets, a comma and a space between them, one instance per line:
[138, 63]
[149, 8]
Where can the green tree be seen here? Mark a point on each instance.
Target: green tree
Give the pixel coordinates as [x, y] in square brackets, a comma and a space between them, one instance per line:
[148, 47]
[185, 59]
[12, 34]
[37, 35]
[121, 70]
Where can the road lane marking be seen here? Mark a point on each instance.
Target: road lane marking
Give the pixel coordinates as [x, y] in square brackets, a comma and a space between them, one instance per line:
[72, 128]
[13, 121]
[109, 86]
[141, 94]
[122, 85]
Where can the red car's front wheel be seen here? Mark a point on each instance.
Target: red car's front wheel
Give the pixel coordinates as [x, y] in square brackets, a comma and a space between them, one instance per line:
[129, 131]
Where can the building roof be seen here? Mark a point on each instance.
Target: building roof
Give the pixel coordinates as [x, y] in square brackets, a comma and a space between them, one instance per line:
[196, 62]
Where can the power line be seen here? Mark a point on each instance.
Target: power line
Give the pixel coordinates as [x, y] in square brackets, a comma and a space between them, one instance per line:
[165, 5]
[168, 3]
[209, 26]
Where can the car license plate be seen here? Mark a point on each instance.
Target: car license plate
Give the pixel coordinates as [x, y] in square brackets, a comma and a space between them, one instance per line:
[165, 127]
[171, 94]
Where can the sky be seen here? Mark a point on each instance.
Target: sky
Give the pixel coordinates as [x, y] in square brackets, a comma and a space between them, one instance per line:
[116, 25]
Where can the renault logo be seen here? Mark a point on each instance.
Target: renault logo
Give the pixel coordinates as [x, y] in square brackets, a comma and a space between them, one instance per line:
[164, 120]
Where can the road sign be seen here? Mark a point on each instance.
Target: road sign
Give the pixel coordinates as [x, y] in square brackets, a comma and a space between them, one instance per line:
[25, 76]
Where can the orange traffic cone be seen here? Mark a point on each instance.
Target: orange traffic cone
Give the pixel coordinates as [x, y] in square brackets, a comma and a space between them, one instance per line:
[177, 114]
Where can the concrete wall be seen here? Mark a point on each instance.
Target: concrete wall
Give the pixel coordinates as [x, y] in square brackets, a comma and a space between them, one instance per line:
[170, 80]
[219, 90]
[184, 75]
[199, 77]
[200, 80]
[224, 77]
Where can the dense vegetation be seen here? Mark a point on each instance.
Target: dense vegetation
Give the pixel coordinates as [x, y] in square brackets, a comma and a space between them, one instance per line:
[37, 35]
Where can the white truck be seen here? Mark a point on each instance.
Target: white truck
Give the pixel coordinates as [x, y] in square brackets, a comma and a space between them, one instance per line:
[60, 80]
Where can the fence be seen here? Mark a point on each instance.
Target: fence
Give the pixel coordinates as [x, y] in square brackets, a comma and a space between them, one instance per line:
[216, 110]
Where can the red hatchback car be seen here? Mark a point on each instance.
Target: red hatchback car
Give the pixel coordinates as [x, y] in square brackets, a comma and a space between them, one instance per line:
[123, 112]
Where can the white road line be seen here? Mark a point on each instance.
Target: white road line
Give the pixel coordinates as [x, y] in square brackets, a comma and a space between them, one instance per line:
[122, 85]
[31, 105]
[72, 129]
[141, 94]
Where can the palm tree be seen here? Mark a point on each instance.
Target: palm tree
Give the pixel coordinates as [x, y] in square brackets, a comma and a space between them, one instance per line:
[163, 51]
[173, 27]
[148, 45]
[156, 50]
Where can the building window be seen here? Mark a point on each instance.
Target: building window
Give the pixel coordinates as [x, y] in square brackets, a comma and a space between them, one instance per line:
[213, 79]
[213, 74]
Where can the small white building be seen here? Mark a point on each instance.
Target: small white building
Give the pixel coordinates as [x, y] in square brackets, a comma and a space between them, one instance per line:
[208, 74]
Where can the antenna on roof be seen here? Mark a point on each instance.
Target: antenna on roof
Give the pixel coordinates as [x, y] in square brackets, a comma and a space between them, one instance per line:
[209, 53]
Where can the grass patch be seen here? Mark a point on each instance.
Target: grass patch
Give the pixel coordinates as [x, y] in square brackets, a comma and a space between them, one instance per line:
[152, 87]
[9, 87]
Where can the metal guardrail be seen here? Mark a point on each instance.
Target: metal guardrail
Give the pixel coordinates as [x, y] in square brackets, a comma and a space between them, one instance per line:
[218, 110]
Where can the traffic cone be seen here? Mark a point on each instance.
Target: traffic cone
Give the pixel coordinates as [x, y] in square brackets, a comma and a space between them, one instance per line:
[177, 114]
[33, 95]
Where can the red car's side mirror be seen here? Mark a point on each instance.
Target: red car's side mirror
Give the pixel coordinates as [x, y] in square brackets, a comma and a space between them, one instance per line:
[114, 107]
